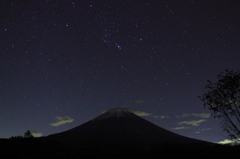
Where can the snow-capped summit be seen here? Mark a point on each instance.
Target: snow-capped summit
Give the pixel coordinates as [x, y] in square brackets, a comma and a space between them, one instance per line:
[118, 110]
[114, 112]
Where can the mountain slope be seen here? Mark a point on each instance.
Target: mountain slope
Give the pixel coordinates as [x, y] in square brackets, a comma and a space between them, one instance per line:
[121, 125]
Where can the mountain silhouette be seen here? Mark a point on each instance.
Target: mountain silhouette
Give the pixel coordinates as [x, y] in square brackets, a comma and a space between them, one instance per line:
[121, 125]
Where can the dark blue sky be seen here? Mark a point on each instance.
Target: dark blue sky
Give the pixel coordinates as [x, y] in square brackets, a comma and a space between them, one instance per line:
[64, 62]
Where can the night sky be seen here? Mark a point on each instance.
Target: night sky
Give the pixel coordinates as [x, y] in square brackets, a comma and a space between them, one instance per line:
[65, 62]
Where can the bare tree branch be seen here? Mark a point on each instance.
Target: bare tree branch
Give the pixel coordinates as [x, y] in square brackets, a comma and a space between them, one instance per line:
[223, 98]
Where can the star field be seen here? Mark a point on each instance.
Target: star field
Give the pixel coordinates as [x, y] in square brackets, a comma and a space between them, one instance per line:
[71, 60]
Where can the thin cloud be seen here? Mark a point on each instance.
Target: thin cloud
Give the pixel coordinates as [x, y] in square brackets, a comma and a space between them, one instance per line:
[140, 113]
[227, 141]
[161, 116]
[201, 130]
[205, 129]
[183, 115]
[36, 134]
[180, 128]
[192, 122]
[203, 115]
[62, 120]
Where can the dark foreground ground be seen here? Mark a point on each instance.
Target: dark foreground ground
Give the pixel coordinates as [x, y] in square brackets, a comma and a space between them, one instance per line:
[34, 148]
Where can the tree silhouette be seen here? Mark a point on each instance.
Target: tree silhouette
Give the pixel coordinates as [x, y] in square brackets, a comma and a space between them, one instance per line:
[16, 137]
[223, 98]
[28, 134]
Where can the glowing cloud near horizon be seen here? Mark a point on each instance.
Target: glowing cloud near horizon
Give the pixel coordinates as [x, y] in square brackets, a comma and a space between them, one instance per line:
[62, 120]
